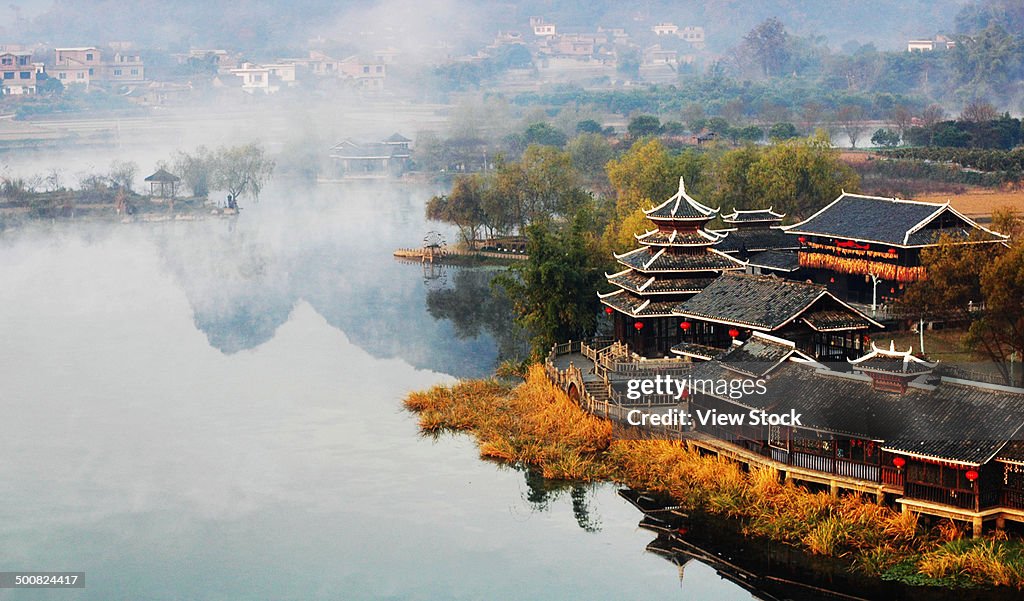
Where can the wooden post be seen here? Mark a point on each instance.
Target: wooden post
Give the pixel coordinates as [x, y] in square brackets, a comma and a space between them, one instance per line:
[833, 488]
[1001, 523]
[976, 525]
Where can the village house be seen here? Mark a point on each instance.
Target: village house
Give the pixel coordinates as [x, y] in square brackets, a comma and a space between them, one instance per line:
[77, 66]
[694, 35]
[364, 74]
[124, 68]
[255, 79]
[160, 93]
[17, 72]
[85, 65]
[940, 42]
[665, 28]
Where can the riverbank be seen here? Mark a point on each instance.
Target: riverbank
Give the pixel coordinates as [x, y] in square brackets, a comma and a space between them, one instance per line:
[535, 424]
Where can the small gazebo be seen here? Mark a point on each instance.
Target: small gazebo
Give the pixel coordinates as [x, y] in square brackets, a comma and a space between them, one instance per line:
[163, 184]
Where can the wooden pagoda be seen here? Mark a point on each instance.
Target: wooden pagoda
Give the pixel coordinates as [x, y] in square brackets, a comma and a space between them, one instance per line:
[675, 261]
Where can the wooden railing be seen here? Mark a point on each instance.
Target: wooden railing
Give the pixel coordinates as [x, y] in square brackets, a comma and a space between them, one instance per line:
[892, 476]
[1012, 498]
[938, 494]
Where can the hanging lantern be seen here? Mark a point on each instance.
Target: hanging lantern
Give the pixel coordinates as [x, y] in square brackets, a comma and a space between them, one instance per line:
[899, 462]
[686, 326]
[972, 475]
[609, 310]
[802, 239]
[892, 291]
[892, 251]
[639, 325]
[831, 280]
[734, 332]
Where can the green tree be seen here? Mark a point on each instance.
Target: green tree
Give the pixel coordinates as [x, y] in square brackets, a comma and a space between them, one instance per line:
[590, 153]
[196, 170]
[588, 126]
[999, 333]
[553, 291]
[800, 176]
[731, 179]
[782, 131]
[545, 134]
[539, 185]
[644, 125]
[628, 65]
[962, 277]
[885, 137]
[242, 170]
[462, 207]
[766, 48]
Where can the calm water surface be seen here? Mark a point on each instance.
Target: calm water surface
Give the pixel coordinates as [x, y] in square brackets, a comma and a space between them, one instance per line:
[211, 410]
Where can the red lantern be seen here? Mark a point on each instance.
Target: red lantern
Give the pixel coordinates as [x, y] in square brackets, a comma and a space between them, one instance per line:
[892, 251]
[639, 325]
[831, 280]
[734, 332]
[685, 326]
[609, 310]
[802, 239]
[972, 475]
[892, 291]
[899, 462]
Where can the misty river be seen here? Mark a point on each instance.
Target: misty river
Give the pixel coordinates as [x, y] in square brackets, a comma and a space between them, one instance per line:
[212, 409]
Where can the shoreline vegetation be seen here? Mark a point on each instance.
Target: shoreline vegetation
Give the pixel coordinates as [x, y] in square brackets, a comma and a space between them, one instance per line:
[536, 426]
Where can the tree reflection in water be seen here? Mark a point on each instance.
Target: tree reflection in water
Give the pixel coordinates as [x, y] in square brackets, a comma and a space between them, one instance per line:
[474, 306]
[541, 492]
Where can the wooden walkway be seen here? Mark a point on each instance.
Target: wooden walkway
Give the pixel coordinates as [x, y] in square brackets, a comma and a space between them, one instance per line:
[419, 254]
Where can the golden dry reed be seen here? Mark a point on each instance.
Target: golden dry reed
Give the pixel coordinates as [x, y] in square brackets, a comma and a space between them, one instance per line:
[535, 424]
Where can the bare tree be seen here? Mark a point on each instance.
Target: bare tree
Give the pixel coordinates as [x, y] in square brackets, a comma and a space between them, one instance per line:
[931, 115]
[979, 111]
[851, 120]
[122, 173]
[901, 119]
[53, 180]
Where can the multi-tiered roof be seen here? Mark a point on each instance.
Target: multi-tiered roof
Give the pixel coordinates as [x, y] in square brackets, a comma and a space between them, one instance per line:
[757, 234]
[675, 260]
